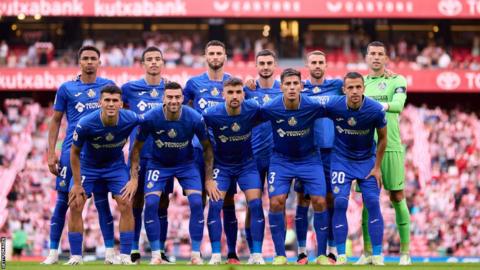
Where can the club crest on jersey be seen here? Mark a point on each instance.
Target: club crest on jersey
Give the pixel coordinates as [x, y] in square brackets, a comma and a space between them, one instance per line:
[336, 190]
[266, 99]
[109, 137]
[271, 188]
[381, 86]
[351, 121]
[154, 93]
[292, 121]
[62, 183]
[316, 90]
[91, 93]
[150, 185]
[223, 139]
[172, 133]
[215, 92]
[75, 135]
[235, 127]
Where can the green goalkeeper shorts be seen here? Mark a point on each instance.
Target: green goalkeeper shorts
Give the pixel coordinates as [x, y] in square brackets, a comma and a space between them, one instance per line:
[393, 171]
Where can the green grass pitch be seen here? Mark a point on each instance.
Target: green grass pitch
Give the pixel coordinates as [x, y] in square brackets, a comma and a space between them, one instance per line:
[183, 266]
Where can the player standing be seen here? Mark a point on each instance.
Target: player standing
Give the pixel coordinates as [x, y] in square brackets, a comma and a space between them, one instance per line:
[391, 91]
[317, 87]
[354, 157]
[264, 89]
[294, 156]
[141, 96]
[172, 128]
[98, 164]
[231, 123]
[76, 99]
[205, 91]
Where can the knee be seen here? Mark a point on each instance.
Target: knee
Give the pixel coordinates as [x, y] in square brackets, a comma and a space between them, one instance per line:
[302, 200]
[228, 201]
[216, 206]
[124, 206]
[371, 201]
[151, 202]
[319, 203]
[277, 204]
[195, 201]
[397, 196]
[340, 203]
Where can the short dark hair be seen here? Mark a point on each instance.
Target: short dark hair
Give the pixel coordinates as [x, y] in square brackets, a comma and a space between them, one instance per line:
[233, 81]
[215, 43]
[88, 48]
[290, 72]
[111, 89]
[266, 52]
[376, 44]
[352, 75]
[151, 49]
[173, 85]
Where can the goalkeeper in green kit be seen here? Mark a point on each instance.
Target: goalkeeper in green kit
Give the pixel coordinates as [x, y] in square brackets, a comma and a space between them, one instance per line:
[391, 92]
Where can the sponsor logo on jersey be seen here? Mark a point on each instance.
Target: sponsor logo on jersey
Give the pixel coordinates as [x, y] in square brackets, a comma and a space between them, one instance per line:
[80, 107]
[142, 106]
[281, 133]
[202, 103]
[382, 86]
[223, 138]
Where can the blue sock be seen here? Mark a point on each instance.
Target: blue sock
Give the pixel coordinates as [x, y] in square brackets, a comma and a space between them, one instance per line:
[277, 227]
[375, 223]
[321, 223]
[248, 236]
[126, 239]
[257, 224]
[214, 224]
[331, 240]
[340, 223]
[196, 220]
[137, 215]
[301, 225]
[230, 226]
[58, 219]
[152, 222]
[105, 218]
[76, 243]
[163, 216]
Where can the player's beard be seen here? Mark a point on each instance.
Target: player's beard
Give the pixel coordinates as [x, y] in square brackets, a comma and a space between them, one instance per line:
[215, 67]
[265, 77]
[315, 76]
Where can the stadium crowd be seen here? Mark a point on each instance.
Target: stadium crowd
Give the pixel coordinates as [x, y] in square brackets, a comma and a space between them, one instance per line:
[443, 190]
[184, 50]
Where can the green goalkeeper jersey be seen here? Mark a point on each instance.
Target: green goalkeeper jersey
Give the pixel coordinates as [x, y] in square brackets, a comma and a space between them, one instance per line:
[393, 91]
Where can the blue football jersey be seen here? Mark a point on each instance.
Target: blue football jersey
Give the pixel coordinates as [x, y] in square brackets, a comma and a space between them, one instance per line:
[324, 130]
[262, 138]
[203, 92]
[142, 97]
[172, 140]
[232, 134]
[77, 99]
[293, 129]
[102, 145]
[355, 129]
